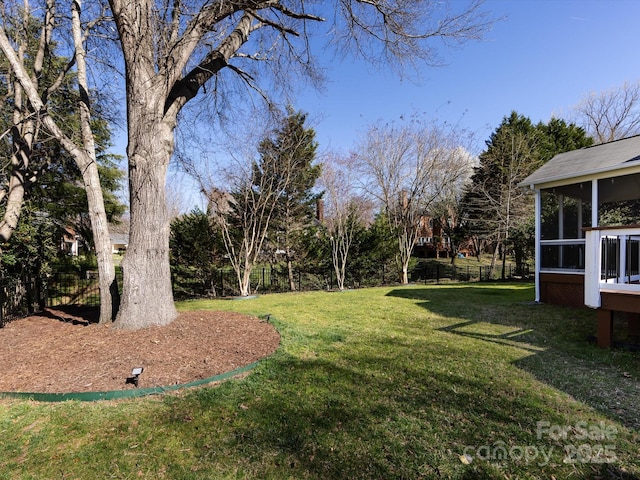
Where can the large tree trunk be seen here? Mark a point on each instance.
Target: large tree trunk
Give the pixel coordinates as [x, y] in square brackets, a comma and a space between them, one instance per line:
[16, 190]
[109, 294]
[15, 200]
[494, 259]
[404, 257]
[405, 273]
[147, 293]
[339, 260]
[245, 282]
[147, 296]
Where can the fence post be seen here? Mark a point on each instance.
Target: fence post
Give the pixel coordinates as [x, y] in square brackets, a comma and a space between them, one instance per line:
[438, 273]
[480, 274]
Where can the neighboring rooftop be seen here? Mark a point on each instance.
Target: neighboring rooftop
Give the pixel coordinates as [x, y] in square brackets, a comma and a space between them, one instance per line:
[119, 238]
[605, 157]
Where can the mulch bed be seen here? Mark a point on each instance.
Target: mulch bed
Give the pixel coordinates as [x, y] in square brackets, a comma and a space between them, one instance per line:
[63, 350]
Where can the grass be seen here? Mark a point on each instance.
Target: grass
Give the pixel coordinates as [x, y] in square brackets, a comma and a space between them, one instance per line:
[374, 383]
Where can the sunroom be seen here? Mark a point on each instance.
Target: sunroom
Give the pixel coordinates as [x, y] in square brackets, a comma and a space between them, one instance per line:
[587, 208]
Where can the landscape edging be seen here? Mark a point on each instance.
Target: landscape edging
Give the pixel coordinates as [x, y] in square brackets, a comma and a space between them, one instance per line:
[121, 394]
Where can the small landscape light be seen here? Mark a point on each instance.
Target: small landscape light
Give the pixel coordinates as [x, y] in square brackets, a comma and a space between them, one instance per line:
[135, 376]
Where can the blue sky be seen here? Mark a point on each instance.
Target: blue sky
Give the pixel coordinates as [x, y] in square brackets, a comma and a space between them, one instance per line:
[540, 60]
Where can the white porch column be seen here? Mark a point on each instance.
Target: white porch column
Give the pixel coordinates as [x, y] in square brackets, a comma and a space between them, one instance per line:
[538, 235]
[593, 251]
[592, 269]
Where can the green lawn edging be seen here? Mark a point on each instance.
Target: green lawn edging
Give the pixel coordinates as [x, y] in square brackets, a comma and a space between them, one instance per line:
[122, 394]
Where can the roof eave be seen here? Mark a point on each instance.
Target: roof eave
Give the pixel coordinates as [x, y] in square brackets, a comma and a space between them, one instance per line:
[596, 173]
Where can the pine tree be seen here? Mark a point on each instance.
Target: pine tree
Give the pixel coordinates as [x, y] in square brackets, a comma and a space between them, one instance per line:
[496, 208]
[291, 152]
[195, 246]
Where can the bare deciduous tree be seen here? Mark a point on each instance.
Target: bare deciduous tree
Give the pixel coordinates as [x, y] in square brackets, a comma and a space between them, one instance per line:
[24, 129]
[246, 211]
[612, 114]
[448, 207]
[36, 106]
[173, 51]
[407, 169]
[343, 210]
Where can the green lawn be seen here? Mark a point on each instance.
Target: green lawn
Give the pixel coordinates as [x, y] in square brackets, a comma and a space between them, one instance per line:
[375, 383]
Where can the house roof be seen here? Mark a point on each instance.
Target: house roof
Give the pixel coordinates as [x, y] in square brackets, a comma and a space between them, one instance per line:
[119, 238]
[594, 160]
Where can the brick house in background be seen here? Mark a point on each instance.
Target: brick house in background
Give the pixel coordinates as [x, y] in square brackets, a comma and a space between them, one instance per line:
[433, 242]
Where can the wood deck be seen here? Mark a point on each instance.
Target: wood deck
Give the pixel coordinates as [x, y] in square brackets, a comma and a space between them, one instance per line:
[615, 301]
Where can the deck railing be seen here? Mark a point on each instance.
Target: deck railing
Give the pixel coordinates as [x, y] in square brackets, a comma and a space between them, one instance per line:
[612, 262]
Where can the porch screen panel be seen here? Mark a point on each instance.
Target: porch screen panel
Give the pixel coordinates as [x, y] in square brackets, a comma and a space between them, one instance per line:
[566, 210]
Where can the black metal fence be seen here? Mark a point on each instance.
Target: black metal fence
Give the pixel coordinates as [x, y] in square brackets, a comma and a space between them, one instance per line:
[436, 272]
[73, 289]
[272, 279]
[20, 296]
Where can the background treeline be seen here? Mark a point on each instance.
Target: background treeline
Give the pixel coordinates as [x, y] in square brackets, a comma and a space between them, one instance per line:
[317, 219]
[291, 218]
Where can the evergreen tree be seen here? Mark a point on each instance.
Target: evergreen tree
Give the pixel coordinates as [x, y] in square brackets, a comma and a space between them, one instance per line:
[33, 248]
[196, 246]
[558, 136]
[291, 153]
[373, 252]
[496, 208]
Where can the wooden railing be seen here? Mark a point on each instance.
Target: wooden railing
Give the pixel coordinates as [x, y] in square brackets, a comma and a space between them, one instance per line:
[612, 262]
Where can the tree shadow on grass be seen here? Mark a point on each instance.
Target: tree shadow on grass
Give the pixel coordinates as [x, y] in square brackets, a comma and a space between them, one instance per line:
[556, 338]
[323, 420]
[75, 314]
[367, 416]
